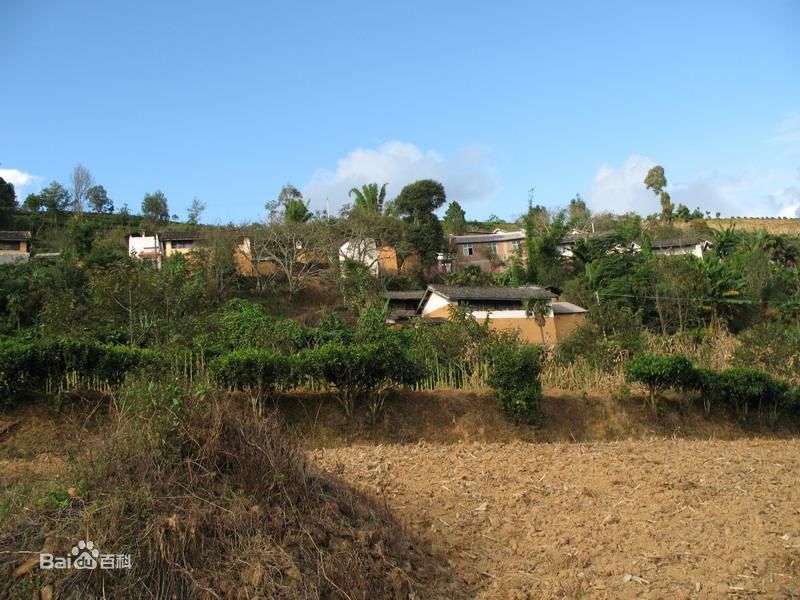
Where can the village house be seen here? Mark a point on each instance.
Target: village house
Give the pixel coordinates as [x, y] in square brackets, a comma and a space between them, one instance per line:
[379, 260]
[504, 307]
[681, 246]
[402, 305]
[489, 251]
[154, 248]
[178, 242]
[15, 246]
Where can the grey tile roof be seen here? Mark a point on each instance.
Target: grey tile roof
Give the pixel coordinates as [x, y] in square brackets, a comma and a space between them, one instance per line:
[677, 242]
[488, 237]
[168, 236]
[489, 293]
[15, 236]
[574, 237]
[405, 295]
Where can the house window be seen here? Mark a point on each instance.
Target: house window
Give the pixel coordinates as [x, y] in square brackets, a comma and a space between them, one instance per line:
[9, 246]
[468, 250]
[515, 245]
[182, 244]
[493, 247]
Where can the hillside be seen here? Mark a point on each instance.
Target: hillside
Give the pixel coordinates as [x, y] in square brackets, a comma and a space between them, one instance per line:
[772, 225]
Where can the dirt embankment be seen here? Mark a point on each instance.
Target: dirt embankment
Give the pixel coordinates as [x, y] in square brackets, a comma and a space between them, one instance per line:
[451, 416]
[656, 519]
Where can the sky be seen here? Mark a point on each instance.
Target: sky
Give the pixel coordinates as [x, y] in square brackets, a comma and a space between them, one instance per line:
[230, 101]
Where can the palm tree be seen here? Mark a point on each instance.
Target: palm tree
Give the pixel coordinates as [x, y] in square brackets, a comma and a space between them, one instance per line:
[538, 308]
[370, 197]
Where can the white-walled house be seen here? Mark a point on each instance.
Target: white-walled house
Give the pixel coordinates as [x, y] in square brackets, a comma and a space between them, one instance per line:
[145, 247]
[681, 246]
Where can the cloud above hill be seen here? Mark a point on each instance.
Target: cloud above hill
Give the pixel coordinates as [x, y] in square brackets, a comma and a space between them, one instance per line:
[621, 189]
[468, 176]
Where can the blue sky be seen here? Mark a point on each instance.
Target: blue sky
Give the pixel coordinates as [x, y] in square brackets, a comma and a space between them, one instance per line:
[229, 101]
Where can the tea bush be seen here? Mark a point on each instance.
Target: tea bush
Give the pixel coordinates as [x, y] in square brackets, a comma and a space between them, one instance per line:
[263, 372]
[514, 376]
[747, 389]
[660, 373]
[361, 372]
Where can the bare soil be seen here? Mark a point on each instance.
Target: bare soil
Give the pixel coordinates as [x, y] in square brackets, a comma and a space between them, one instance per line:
[660, 518]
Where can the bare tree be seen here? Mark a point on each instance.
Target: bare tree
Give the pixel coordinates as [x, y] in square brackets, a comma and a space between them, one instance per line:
[295, 252]
[81, 182]
[196, 210]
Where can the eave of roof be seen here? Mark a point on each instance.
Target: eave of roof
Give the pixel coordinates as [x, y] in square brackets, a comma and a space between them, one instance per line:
[489, 237]
[405, 295]
[15, 236]
[488, 293]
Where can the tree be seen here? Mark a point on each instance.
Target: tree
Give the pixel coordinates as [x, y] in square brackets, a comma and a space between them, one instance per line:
[296, 252]
[196, 210]
[290, 202]
[578, 213]
[99, 200]
[8, 201]
[416, 205]
[81, 180]
[370, 197]
[538, 308]
[154, 206]
[656, 181]
[455, 219]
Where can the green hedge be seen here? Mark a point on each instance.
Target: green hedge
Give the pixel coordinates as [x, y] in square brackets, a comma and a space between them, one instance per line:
[745, 390]
[361, 372]
[514, 376]
[28, 365]
[261, 371]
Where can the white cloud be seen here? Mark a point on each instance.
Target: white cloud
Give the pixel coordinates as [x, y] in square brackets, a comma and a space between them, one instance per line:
[467, 177]
[622, 189]
[17, 177]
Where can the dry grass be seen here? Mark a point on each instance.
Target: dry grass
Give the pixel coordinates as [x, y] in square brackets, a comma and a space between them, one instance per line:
[776, 226]
[211, 501]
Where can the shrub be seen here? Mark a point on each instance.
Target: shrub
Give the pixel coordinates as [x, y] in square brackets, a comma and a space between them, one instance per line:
[259, 371]
[29, 365]
[772, 346]
[514, 376]
[746, 389]
[361, 372]
[660, 373]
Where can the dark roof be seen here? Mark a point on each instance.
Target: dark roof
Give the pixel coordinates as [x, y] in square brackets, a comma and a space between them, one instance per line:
[169, 236]
[489, 237]
[405, 295]
[677, 242]
[581, 235]
[14, 236]
[489, 293]
[567, 308]
[401, 314]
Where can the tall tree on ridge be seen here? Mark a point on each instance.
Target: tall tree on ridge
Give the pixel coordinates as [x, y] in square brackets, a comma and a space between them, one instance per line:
[369, 197]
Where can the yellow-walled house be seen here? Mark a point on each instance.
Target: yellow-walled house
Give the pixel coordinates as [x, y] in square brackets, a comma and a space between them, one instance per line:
[15, 246]
[505, 309]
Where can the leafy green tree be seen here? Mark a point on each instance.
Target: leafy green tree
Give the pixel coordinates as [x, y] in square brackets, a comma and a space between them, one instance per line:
[578, 213]
[416, 205]
[98, 199]
[154, 207]
[455, 219]
[369, 197]
[8, 201]
[81, 236]
[541, 244]
[288, 206]
[656, 181]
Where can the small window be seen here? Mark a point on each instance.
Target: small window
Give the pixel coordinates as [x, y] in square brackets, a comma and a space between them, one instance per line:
[515, 244]
[493, 247]
[182, 244]
[468, 250]
[9, 246]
